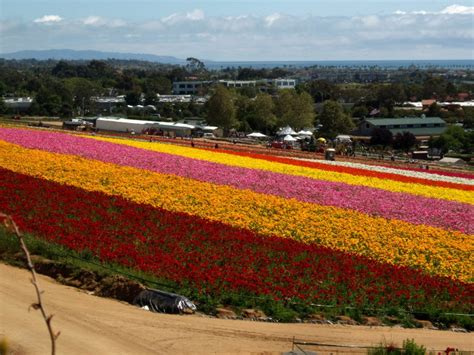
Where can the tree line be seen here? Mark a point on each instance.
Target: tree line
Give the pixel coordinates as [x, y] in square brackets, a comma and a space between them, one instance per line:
[66, 89]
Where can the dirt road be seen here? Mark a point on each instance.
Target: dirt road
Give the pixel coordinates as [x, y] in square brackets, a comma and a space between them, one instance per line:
[93, 325]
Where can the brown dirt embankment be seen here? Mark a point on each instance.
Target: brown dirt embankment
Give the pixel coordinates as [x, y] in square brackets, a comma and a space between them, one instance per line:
[94, 325]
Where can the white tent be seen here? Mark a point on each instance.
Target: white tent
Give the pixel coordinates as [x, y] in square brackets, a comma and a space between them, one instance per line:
[289, 138]
[305, 133]
[286, 131]
[343, 138]
[256, 135]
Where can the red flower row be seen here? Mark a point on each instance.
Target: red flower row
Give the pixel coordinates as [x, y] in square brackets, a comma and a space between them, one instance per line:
[214, 257]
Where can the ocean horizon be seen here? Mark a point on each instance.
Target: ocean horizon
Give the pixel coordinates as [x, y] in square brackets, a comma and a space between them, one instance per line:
[385, 64]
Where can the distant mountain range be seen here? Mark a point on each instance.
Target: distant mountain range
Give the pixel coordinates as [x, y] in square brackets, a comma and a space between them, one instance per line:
[70, 54]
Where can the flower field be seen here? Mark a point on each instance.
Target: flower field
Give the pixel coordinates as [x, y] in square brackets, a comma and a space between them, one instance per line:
[236, 222]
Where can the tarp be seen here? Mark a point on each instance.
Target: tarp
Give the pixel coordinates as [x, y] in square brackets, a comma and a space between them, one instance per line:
[163, 302]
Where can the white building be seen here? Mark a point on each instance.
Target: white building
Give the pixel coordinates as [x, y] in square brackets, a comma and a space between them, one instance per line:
[177, 129]
[18, 104]
[283, 83]
[238, 83]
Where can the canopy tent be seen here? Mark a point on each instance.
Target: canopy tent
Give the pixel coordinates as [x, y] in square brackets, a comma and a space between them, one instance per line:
[256, 135]
[305, 133]
[289, 138]
[343, 138]
[322, 140]
[286, 131]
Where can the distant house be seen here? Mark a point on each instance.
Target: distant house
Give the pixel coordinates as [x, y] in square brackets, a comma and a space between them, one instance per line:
[418, 126]
[463, 96]
[427, 103]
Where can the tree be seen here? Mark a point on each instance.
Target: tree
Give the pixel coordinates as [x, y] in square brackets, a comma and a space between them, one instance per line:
[434, 110]
[221, 109]
[295, 110]
[334, 120]
[454, 139]
[434, 87]
[321, 90]
[3, 107]
[195, 66]
[82, 91]
[260, 113]
[158, 85]
[133, 98]
[360, 111]
[381, 136]
[389, 95]
[404, 141]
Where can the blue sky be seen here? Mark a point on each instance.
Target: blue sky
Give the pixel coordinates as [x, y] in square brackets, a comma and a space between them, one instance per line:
[245, 29]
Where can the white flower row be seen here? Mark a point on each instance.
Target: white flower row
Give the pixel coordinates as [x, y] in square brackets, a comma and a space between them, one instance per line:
[409, 173]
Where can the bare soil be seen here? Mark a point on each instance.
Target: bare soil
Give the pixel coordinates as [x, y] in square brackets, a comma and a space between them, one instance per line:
[95, 325]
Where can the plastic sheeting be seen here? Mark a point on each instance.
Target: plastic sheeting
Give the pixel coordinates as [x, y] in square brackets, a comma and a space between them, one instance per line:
[163, 302]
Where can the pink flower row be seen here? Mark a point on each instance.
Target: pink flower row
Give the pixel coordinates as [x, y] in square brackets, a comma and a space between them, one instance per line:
[390, 205]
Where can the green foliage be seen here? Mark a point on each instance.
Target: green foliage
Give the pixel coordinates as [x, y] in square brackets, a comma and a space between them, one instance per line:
[195, 66]
[381, 136]
[82, 91]
[360, 111]
[404, 141]
[221, 109]
[133, 98]
[294, 110]
[3, 107]
[260, 113]
[334, 120]
[455, 139]
[410, 347]
[389, 95]
[321, 90]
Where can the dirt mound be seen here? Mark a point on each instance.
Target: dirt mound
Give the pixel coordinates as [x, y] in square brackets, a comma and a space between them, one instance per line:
[116, 286]
[120, 288]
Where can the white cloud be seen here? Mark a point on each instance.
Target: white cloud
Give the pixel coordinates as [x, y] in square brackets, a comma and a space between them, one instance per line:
[445, 33]
[270, 20]
[48, 19]
[98, 21]
[458, 10]
[195, 15]
[92, 20]
[370, 21]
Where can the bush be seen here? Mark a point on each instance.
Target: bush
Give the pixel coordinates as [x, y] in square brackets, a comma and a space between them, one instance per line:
[409, 348]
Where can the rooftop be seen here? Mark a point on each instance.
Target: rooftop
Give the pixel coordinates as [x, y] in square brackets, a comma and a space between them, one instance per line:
[405, 121]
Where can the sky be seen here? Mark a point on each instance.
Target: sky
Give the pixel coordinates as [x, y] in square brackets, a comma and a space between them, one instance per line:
[239, 30]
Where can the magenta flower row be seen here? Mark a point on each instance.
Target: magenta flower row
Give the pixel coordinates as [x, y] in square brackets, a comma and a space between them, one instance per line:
[376, 202]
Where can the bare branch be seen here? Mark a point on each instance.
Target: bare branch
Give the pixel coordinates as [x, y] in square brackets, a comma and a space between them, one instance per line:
[10, 224]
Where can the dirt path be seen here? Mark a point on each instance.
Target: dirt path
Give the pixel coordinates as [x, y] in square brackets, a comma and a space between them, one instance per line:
[93, 325]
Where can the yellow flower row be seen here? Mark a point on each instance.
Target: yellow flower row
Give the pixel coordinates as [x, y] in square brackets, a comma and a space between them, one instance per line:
[435, 250]
[251, 163]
